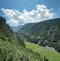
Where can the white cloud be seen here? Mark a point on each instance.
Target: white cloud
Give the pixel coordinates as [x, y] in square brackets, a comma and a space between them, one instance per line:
[13, 17]
[16, 18]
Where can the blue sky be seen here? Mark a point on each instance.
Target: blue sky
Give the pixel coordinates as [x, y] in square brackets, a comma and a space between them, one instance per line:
[26, 6]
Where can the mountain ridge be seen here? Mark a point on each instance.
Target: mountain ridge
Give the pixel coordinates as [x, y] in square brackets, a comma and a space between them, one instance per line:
[47, 32]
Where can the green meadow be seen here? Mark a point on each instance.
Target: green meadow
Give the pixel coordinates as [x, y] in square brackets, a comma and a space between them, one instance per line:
[49, 54]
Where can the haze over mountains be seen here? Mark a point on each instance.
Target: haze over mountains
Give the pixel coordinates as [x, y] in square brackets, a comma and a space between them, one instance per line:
[16, 28]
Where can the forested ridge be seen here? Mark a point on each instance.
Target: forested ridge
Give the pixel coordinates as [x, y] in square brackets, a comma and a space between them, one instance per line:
[45, 33]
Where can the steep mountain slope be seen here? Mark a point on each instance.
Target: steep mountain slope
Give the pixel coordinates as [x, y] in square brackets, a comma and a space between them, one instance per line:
[6, 33]
[10, 48]
[42, 33]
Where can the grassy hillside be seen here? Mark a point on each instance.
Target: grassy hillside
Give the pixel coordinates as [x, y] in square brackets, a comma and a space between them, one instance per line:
[10, 52]
[44, 33]
[10, 47]
[51, 55]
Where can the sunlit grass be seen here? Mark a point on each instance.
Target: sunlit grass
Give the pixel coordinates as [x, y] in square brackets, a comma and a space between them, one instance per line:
[51, 55]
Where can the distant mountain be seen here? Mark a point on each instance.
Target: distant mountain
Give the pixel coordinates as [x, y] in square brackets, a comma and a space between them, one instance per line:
[16, 28]
[11, 48]
[42, 33]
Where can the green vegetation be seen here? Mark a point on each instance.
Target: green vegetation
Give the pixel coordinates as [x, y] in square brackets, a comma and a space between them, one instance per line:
[43, 33]
[51, 55]
[13, 49]
[10, 52]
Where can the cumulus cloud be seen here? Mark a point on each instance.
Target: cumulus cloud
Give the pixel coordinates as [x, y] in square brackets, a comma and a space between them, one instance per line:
[16, 17]
[12, 17]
